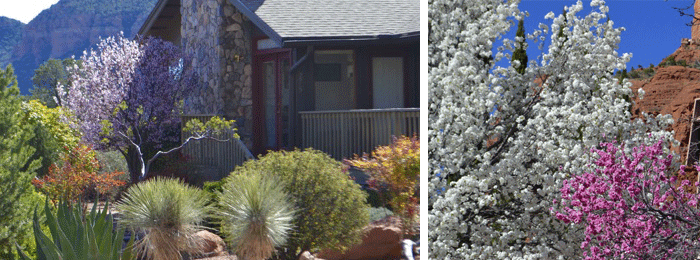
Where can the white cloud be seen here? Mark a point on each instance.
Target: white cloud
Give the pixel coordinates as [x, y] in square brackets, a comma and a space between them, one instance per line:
[24, 10]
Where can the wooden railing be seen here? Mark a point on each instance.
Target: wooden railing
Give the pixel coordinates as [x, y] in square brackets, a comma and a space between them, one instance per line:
[344, 133]
[223, 156]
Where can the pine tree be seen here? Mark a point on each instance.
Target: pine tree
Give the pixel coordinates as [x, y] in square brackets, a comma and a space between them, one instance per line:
[16, 170]
[520, 53]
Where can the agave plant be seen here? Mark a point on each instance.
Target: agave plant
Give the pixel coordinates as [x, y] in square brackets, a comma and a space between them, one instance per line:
[256, 215]
[169, 212]
[74, 237]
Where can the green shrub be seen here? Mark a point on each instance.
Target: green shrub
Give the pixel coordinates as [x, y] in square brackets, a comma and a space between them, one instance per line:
[75, 235]
[53, 134]
[256, 215]
[379, 213]
[168, 211]
[331, 208]
[111, 161]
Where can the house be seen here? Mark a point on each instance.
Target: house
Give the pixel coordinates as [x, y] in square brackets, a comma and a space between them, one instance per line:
[337, 75]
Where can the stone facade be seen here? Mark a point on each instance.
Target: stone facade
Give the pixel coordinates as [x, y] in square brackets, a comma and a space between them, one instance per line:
[218, 38]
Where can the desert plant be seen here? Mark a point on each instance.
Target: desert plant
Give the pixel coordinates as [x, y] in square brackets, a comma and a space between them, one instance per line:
[168, 211]
[398, 166]
[75, 235]
[331, 208]
[256, 215]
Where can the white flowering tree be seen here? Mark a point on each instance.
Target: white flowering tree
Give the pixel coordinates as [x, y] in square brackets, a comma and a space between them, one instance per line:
[501, 142]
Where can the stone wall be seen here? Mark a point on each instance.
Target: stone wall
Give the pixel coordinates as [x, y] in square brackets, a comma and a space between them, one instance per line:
[218, 38]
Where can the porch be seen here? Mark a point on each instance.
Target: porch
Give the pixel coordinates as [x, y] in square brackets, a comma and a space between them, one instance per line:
[341, 134]
[344, 133]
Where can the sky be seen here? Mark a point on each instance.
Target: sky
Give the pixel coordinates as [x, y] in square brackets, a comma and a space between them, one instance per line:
[653, 28]
[24, 10]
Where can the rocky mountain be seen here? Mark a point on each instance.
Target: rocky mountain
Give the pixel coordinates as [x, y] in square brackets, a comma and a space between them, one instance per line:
[69, 27]
[671, 89]
[10, 35]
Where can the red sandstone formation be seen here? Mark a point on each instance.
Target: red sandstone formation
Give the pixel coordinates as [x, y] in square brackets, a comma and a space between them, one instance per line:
[671, 90]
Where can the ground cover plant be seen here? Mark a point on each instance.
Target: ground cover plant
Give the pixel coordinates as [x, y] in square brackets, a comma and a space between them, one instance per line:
[502, 142]
[331, 209]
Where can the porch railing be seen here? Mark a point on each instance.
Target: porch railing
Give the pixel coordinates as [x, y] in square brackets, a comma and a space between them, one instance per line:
[223, 156]
[344, 133]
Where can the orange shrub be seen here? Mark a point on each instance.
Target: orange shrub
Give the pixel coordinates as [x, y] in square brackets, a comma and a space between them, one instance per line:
[398, 167]
[76, 175]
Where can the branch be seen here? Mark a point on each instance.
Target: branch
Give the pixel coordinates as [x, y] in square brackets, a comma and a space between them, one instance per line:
[191, 138]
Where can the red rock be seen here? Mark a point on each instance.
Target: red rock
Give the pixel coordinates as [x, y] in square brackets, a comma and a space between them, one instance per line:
[382, 240]
[696, 25]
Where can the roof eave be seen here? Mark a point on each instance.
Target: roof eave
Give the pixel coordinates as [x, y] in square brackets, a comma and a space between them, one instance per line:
[255, 19]
[352, 40]
[152, 17]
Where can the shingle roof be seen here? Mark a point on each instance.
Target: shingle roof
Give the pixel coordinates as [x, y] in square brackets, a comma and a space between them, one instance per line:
[298, 19]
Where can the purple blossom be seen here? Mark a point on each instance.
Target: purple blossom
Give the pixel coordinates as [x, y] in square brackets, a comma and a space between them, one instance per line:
[632, 206]
[128, 94]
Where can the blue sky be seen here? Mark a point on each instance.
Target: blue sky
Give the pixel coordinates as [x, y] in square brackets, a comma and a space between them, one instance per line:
[653, 28]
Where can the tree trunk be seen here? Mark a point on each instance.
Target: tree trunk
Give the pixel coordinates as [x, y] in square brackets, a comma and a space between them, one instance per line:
[134, 163]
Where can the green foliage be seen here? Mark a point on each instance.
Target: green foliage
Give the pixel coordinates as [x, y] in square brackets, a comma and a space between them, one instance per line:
[16, 167]
[212, 126]
[634, 74]
[111, 161]
[168, 211]
[668, 61]
[520, 53]
[213, 187]
[332, 209]
[75, 235]
[47, 77]
[53, 132]
[379, 213]
[256, 214]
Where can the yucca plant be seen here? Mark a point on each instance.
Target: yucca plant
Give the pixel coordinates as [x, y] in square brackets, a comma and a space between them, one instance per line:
[169, 212]
[256, 215]
[76, 237]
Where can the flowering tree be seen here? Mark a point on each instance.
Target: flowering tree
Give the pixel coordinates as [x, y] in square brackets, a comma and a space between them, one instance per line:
[128, 96]
[633, 206]
[501, 142]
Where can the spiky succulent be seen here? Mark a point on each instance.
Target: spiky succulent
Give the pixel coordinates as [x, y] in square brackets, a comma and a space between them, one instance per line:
[256, 214]
[168, 211]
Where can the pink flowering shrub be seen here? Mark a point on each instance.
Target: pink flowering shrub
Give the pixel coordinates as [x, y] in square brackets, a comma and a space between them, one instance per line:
[632, 206]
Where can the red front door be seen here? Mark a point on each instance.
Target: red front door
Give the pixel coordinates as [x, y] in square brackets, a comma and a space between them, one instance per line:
[272, 101]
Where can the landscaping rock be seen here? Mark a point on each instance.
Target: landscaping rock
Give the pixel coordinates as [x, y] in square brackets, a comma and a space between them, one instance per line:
[308, 256]
[211, 245]
[382, 240]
